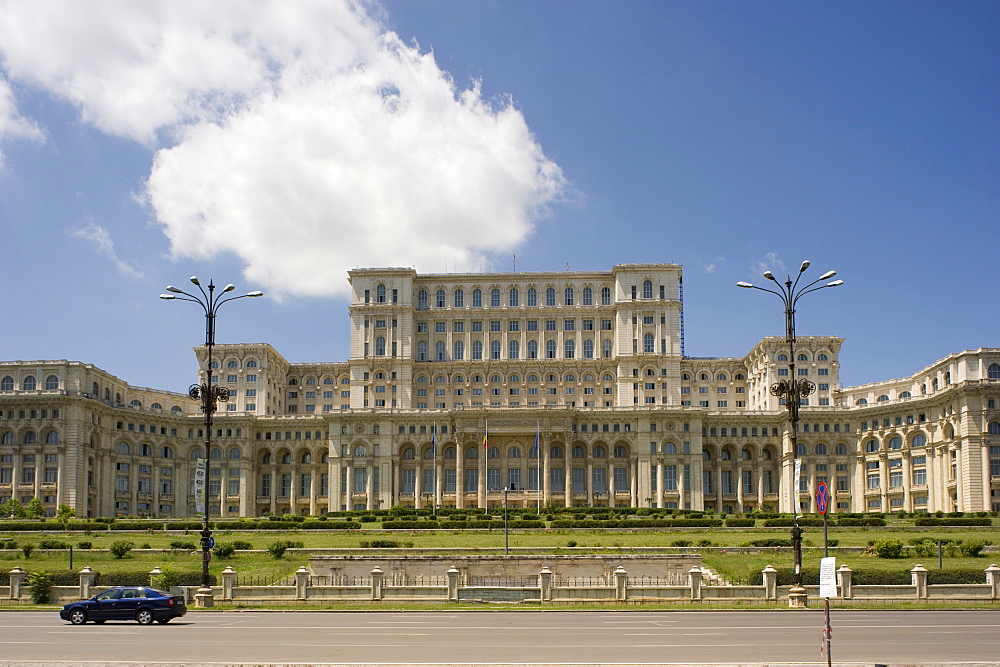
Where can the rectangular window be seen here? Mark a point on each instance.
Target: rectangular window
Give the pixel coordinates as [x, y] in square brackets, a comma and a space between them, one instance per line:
[494, 325]
[477, 325]
[471, 480]
[569, 325]
[532, 325]
[557, 480]
[550, 325]
[514, 325]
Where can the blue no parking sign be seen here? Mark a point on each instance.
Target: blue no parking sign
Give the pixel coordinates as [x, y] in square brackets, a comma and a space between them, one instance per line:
[822, 497]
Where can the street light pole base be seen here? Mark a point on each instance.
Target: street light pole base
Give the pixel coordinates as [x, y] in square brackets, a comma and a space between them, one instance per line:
[798, 598]
[204, 598]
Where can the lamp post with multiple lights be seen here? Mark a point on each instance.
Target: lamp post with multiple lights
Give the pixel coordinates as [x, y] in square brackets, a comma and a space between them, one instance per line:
[209, 396]
[793, 390]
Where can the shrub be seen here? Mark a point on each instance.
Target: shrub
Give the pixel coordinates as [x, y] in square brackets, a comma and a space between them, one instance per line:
[704, 543]
[973, 548]
[681, 543]
[224, 550]
[167, 579]
[120, 548]
[741, 523]
[242, 545]
[887, 549]
[53, 544]
[571, 543]
[277, 549]
[385, 544]
[182, 545]
[84, 545]
[39, 584]
[768, 542]
[26, 549]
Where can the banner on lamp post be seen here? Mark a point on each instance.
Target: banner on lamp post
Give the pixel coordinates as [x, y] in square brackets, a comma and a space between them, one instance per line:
[199, 486]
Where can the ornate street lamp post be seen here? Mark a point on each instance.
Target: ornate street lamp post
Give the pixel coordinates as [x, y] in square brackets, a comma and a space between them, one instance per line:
[793, 390]
[209, 396]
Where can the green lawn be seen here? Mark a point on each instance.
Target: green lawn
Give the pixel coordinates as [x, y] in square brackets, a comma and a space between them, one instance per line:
[724, 555]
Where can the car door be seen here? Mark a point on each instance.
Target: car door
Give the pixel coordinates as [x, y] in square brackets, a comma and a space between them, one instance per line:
[126, 605]
[101, 608]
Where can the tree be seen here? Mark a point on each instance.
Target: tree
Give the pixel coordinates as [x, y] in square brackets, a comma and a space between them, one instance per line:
[65, 513]
[12, 509]
[36, 509]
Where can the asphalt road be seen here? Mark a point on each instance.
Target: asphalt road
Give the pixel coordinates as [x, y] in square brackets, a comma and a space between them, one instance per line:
[551, 637]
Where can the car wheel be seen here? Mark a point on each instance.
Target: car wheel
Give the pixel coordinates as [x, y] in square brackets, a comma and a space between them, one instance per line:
[144, 616]
[77, 617]
[163, 620]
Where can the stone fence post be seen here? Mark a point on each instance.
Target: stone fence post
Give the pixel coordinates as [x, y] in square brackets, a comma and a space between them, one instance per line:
[918, 577]
[87, 577]
[17, 576]
[302, 583]
[694, 579]
[770, 583]
[377, 578]
[993, 579]
[545, 583]
[153, 574]
[621, 584]
[228, 582]
[453, 584]
[844, 576]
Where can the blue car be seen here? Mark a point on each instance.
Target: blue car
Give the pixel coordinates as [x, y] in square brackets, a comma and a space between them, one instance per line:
[126, 603]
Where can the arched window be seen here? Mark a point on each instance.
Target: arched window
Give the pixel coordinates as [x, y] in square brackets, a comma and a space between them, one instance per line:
[746, 454]
[994, 428]
[669, 448]
[570, 346]
[251, 364]
[800, 449]
[477, 349]
[449, 452]
[919, 440]
[620, 452]
[905, 394]
[599, 452]
[882, 399]
[233, 364]
[568, 297]
[286, 458]
[605, 296]
[494, 349]
[514, 453]
[767, 455]
[513, 349]
[841, 449]
[477, 298]
[726, 455]
[588, 349]
[550, 349]
[513, 298]
[422, 300]
[325, 458]
[408, 453]
[123, 448]
[896, 443]
[588, 296]
[821, 449]
[871, 446]
[7, 384]
[360, 451]
[155, 406]
[145, 450]
[994, 372]
[578, 452]
[532, 296]
[550, 296]
[167, 452]
[195, 453]
[459, 350]
[495, 297]
[721, 377]
[647, 289]
[51, 383]
[472, 452]
[532, 349]
[459, 300]
[439, 299]
[648, 346]
[29, 383]
[135, 403]
[234, 453]
[440, 353]
[861, 401]
[215, 454]
[52, 438]
[556, 452]
[782, 357]
[380, 294]
[429, 453]
[265, 457]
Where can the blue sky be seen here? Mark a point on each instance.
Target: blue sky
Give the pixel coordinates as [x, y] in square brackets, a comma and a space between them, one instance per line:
[143, 143]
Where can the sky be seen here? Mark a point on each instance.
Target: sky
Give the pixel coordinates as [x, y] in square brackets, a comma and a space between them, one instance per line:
[278, 144]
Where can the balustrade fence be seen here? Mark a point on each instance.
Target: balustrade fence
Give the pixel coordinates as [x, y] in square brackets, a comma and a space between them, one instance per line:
[544, 588]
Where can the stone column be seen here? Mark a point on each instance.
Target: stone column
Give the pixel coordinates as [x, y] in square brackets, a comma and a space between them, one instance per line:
[453, 584]
[681, 487]
[349, 491]
[633, 473]
[770, 583]
[657, 469]
[228, 582]
[483, 496]
[87, 577]
[313, 491]
[378, 577]
[918, 577]
[370, 486]
[739, 484]
[459, 475]
[567, 476]
[418, 485]
[275, 488]
[589, 481]
[545, 583]
[844, 575]
[545, 484]
[302, 583]
[993, 579]
[17, 576]
[621, 584]
[609, 478]
[694, 579]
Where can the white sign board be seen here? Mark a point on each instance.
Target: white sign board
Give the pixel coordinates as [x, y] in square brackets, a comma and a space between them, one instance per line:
[828, 577]
[199, 487]
[795, 487]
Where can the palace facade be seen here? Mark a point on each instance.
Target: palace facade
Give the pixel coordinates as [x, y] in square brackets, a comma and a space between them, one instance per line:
[577, 382]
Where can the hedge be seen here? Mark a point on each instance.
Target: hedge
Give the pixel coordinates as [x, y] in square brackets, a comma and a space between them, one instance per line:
[860, 521]
[952, 521]
[741, 523]
[873, 577]
[787, 522]
[638, 523]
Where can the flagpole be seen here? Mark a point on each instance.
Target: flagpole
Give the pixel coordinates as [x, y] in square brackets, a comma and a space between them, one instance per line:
[486, 446]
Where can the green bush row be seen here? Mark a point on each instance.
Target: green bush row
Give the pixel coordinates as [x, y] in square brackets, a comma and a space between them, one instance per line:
[872, 577]
[638, 523]
[954, 521]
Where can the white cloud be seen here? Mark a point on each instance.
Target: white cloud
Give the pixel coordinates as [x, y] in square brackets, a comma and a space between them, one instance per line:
[101, 239]
[771, 262]
[303, 137]
[12, 123]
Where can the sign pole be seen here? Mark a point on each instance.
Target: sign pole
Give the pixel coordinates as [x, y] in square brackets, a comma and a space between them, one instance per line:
[827, 590]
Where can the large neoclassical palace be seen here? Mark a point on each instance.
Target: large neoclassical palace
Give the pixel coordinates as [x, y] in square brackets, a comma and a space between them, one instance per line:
[576, 381]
